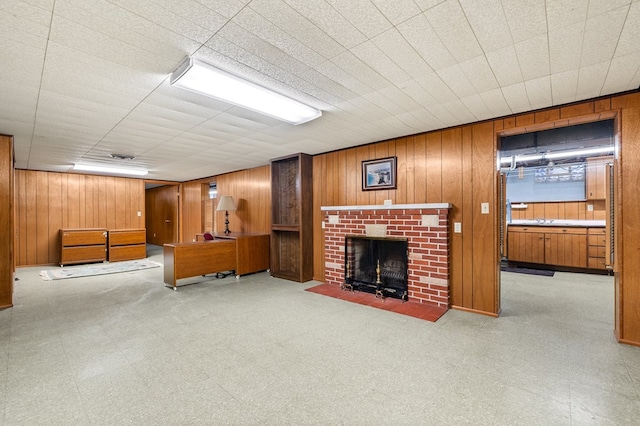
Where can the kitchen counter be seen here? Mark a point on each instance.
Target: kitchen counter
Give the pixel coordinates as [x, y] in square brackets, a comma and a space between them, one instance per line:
[559, 223]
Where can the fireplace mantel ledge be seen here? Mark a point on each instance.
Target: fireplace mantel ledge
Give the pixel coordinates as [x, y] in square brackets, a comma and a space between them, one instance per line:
[390, 207]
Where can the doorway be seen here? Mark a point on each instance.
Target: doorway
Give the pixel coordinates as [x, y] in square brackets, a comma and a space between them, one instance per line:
[556, 197]
[556, 200]
[162, 213]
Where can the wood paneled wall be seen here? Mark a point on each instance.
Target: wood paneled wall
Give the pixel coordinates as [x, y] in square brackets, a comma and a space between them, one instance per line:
[191, 209]
[454, 166]
[458, 166]
[162, 215]
[627, 206]
[6, 221]
[251, 190]
[47, 201]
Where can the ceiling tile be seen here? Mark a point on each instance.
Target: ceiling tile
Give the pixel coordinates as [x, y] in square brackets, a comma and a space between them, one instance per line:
[457, 81]
[459, 111]
[488, 22]
[339, 76]
[527, 18]
[565, 13]
[475, 106]
[260, 27]
[396, 47]
[423, 38]
[370, 54]
[601, 36]
[516, 97]
[622, 74]
[591, 79]
[496, 103]
[539, 92]
[294, 24]
[533, 57]
[363, 15]
[186, 18]
[564, 86]
[505, 66]
[397, 11]
[563, 48]
[325, 17]
[459, 39]
[630, 38]
[437, 88]
[599, 7]
[479, 73]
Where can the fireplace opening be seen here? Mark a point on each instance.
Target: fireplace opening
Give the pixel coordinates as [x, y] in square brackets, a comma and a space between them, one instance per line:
[377, 265]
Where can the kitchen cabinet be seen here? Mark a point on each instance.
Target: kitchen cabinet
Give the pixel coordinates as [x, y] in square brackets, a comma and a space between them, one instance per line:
[525, 244]
[595, 177]
[558, 246]
[597, 248]
[566, 248]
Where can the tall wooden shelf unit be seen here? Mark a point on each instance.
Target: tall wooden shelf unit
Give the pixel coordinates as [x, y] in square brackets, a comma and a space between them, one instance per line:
[291, 218]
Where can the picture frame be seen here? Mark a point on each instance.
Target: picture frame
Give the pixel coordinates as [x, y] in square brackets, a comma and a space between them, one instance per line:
[379, 174]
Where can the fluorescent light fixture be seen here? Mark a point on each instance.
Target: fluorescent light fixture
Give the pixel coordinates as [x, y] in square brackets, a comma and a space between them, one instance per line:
[110, 170]
[203, 78]
[579, 152]
[558, 155]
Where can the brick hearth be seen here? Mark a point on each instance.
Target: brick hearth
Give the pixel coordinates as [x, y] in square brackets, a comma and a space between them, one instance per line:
[424, 225]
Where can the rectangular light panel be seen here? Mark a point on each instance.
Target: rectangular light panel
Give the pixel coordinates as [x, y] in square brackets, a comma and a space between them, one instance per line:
[203, 78]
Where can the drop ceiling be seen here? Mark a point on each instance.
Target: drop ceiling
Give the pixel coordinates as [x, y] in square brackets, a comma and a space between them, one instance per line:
[83, 79]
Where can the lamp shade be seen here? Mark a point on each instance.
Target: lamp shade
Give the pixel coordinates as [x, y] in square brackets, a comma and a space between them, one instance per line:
[226, 203]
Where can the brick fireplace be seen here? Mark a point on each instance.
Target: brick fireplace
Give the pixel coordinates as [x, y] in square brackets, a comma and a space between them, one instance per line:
[425, 226]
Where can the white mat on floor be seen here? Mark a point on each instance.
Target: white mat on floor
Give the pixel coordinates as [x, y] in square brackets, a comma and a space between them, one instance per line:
[97, 269]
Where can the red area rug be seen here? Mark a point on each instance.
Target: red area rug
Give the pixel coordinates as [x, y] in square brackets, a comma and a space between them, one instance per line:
[413, 309]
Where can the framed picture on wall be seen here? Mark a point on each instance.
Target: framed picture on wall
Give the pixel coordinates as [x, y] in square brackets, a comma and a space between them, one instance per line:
[379, 174]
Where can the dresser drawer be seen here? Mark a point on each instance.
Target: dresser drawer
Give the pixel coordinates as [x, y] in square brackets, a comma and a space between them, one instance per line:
[597, 240]
[130, 252]
[122, 237]
[86, 237]
[83, 254]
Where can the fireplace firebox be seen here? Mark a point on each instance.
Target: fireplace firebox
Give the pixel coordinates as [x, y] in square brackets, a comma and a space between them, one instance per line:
[377, 265]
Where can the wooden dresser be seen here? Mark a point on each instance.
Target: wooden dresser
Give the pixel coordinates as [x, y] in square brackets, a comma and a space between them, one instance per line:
[84, 245]
[127, 244]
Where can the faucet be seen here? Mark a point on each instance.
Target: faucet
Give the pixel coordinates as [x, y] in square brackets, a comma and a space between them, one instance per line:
[540, 220]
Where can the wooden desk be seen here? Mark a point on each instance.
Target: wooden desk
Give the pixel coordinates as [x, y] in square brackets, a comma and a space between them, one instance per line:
[252, 251]
[184, 260]
[241, 253]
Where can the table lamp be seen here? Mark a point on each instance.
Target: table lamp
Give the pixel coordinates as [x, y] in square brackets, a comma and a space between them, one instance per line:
[226, 204]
